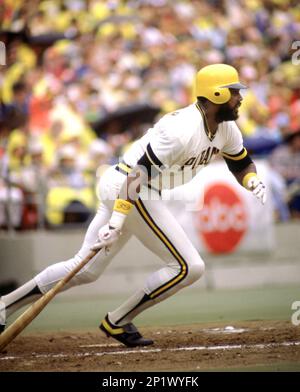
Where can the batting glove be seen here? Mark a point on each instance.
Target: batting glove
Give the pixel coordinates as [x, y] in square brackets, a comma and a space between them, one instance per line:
[257, 187]
[107, 236]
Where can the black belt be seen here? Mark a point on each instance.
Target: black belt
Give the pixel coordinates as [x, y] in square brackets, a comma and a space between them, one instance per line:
[125, 169]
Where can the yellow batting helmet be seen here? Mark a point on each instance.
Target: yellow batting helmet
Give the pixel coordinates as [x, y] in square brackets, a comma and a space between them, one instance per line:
[214, 81]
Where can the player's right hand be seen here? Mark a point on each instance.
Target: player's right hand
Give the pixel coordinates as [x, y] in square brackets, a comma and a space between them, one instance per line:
[107, 236]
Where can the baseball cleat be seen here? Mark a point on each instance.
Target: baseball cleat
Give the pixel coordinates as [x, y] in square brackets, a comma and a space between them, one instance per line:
[126, 334]
[2, 316]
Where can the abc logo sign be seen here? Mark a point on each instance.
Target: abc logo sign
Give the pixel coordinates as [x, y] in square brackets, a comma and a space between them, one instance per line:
[223, 220]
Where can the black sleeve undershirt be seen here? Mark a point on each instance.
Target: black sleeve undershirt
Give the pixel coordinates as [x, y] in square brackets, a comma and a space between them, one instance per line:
[150, 163]
[238, 165]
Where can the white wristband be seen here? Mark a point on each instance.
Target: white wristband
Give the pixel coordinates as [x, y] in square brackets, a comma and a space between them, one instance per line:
[117, 220]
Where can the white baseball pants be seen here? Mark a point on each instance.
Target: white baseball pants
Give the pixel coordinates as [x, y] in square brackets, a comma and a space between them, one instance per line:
[152, 223]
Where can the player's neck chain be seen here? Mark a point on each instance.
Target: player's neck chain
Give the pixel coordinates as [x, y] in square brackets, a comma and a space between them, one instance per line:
[208, 132]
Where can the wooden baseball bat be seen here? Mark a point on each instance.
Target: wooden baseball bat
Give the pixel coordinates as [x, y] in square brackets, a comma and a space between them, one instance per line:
[22, 321]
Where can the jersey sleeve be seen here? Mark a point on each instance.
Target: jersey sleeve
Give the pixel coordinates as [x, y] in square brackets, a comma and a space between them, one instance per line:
[234, 153]
[163, 150]
[234, 141]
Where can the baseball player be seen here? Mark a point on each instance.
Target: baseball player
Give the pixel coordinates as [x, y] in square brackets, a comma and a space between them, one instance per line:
[185, 140]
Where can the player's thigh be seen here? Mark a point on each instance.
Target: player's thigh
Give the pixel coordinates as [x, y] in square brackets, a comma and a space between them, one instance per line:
[154, 225]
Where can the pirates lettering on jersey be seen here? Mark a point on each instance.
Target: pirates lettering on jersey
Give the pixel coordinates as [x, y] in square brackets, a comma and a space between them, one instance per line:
[202, 159]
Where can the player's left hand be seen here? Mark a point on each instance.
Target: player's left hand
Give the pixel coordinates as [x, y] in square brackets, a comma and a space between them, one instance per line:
[107, 236]
[257, 187]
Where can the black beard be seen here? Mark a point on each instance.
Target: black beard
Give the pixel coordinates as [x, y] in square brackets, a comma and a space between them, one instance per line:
[226, 114]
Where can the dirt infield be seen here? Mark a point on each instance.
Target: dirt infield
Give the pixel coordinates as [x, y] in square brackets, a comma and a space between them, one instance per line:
[180, 348]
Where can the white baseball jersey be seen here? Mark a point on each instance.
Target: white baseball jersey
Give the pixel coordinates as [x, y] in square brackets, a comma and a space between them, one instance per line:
[179, 145]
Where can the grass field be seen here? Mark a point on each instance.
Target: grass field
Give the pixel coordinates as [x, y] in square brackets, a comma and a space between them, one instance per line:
[186, 307]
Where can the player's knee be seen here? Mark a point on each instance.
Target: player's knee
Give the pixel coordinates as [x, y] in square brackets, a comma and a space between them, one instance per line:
[86, 277]
[88, 274]
[195, 271]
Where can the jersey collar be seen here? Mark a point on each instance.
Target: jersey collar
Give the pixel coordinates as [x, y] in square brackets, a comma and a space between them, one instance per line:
[206, 127]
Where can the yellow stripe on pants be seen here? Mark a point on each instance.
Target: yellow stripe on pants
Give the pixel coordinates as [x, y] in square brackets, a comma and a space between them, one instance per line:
[168, 244]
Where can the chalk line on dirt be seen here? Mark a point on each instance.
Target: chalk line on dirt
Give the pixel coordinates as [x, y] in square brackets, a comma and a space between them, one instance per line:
[34, 356]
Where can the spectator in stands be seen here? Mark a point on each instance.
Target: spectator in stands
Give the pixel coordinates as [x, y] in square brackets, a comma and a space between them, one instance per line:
[35, 180]
[99, 156]
[11, 205]
[70, 197]
[11, 196]
[20, 97]
[66, 173]
[285, 160]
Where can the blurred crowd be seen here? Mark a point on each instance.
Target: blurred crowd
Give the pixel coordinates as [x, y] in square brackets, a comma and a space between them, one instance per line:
[70, 64]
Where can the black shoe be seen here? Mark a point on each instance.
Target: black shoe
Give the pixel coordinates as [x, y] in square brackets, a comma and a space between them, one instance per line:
[2, 316]
[126, 334]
